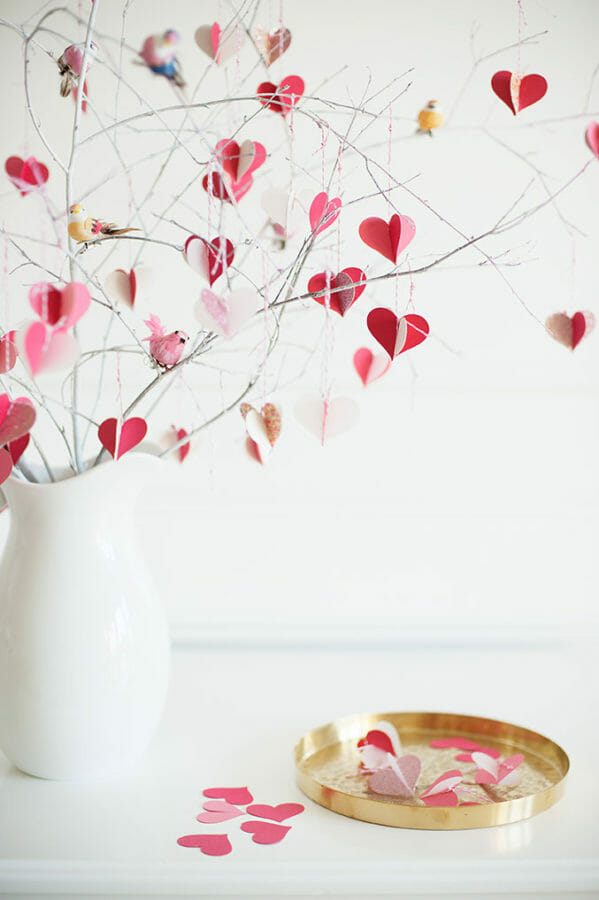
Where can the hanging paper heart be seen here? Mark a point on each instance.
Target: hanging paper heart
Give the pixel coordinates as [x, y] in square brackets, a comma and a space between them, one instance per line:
[265, 832]
[239, 796]
[272, 45]
[209, 844]
[5, 465]
[8, 354]
[323, 212]
[216, 811]
[390, 238]
[518, 92]
[338, 291]
[226, 316]
[592, 137]
[126, 287]
[240, 160]
[276, 813]
[208, 258]
[44, 349]
[282, 97]
[327, 419]
[226, 191]
[441, 792]
[26, 174]
[370, 367]
[569, 331]
[184, 448]
[16, 418]
[400, 780]
[220, 45]
[60, 308]
[17, 448]
[396, 335]
[263, 429]
[132, 432]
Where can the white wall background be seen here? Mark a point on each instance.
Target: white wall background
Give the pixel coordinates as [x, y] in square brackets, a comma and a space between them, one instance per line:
[465, 501]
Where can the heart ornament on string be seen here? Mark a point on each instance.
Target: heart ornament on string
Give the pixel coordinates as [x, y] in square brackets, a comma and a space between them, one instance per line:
[517, 91]
[220, 45]
[238, 162]
[388, 238]
[263, 429]
[26, 174]
[61, 308]
[570, 330]
[282, 97]
[370, 367]
[184, 449]
[226, 316]
[17, 418]
[17, 447]
[132, 432]
[396, 335]
[327, 419]
[6, 464]
[8, 354]
[591, 136]
[272, 44]
[323, 212]
[339, 291]
[127, 287]
[209, 258]
[44, 349]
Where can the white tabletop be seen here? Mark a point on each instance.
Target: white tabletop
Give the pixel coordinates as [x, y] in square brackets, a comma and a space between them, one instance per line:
[233, 718]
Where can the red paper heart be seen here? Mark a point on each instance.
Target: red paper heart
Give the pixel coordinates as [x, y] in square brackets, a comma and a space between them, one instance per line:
[26, 175]
[276, 813]
[592, 137]
[212, 266]
[323, 212]
[370, 367]
[5, 465]
[132, 432]
[17, 448]
[238, 796]
[388, 238]
[569, 331]
[531, 89]
[341, 300]
[209, 844]
[228, 192]
[396, 335]
[8, 355]
[281, 98]
[184, 448]
[265, 832]
[60, 306]
[16, 418]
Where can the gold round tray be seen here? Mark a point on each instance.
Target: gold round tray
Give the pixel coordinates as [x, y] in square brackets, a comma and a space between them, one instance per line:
[327, 770]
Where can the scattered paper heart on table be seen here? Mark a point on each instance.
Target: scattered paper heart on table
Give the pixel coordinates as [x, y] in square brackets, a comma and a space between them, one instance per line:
[209, 844]
[323, 212]
[226, 316]
[263, 428]
[396, 335]
[265, 832]
[8, 354]
[26, 174]
[345, 287]
[517, 91]
[218, 811]
[47, 350]
[220, 44]
[399, 779]
[238, 796]
[60, 308]
[6, 463]
[272, 44]
[277, 813]
[570, 330]
[327, 419]
[281, 97]
[388, 238]
[441, 792]
[132, 432]
[592, 137]
[125, 287]
[16, 418]
[209, 258]
[370, 367]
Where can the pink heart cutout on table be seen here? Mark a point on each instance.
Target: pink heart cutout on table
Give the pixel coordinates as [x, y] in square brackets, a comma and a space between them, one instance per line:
[6, 464]
[323, 212]
[592, 137]
[61, 308]
[399, 780]
[218, 811]
[396, 335]
[26, 174]
[8, 355]
[327, 420]
[458, 742]
[265, 832]
[569, 331]
[209, 844]
[518, 93]
[238, 796]
[207, 257]
[341, 300]
[276, 813]
[389, 239]
[45, 349]
[133, 431]
[370, 367]
[281, 98]
[16, 418]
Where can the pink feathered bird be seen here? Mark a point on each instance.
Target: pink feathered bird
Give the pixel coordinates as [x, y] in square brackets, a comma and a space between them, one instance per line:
[165, 348]
[69, 66]
[159, 53]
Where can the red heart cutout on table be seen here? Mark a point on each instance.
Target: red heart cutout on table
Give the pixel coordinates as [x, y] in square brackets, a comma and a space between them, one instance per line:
[218, 811]
[399, 780]
[16, 418]
[388, 238]
[238, 796]
[396, 335]
[281, 98]
[370, 367]
[265, 832]
[592, 137]
[6, 464]
[569, 331]
[518, 93]
[63, 307]
[17, 448]
[276, 813]
[208, 258]
[275, 44]
[323, 212]
[8, 355]
[209, 844]
[26, 174]
[132, 432]
[344, 285]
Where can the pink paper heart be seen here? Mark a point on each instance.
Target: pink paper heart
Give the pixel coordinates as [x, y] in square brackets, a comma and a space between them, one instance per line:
[345, 286]
[370, 367]
[26, 174]
[239, 796]
[46, 349]
[60, 308]
[8, 355]
[6, 464]
[398, 780]
[218, 811]
[281, 98]
[323, 212]
[276, 813]
[16, 418]
[209, 844]
[265, 832]
[389, 239]
[209, 258]
[592, 137]
[133, 431]
[442, 791]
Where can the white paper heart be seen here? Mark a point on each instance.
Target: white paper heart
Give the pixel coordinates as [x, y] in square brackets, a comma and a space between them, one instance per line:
[118, 287]
[276, 203]
[330, 420]
[196, 254]
[226, 316]
[247, 152]
[258, 432]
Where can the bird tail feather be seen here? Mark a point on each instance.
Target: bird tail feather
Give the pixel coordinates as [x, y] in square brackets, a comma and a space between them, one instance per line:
[111, 228]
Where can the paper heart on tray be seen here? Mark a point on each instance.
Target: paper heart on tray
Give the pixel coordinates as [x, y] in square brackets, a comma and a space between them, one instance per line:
[339, 291]
[378, 745]
[281, 97]
[388, 238]
[209, 258]
[220, 44]
[442, 791]
[226, 315]
[398, 779]
[497, 771]
[396, 335]
[517, 91]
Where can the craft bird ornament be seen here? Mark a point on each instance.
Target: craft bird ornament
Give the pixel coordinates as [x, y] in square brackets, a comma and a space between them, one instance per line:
[70, 64]
[430, 117]
[166, 349]
[83, 228]
[159, 53]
